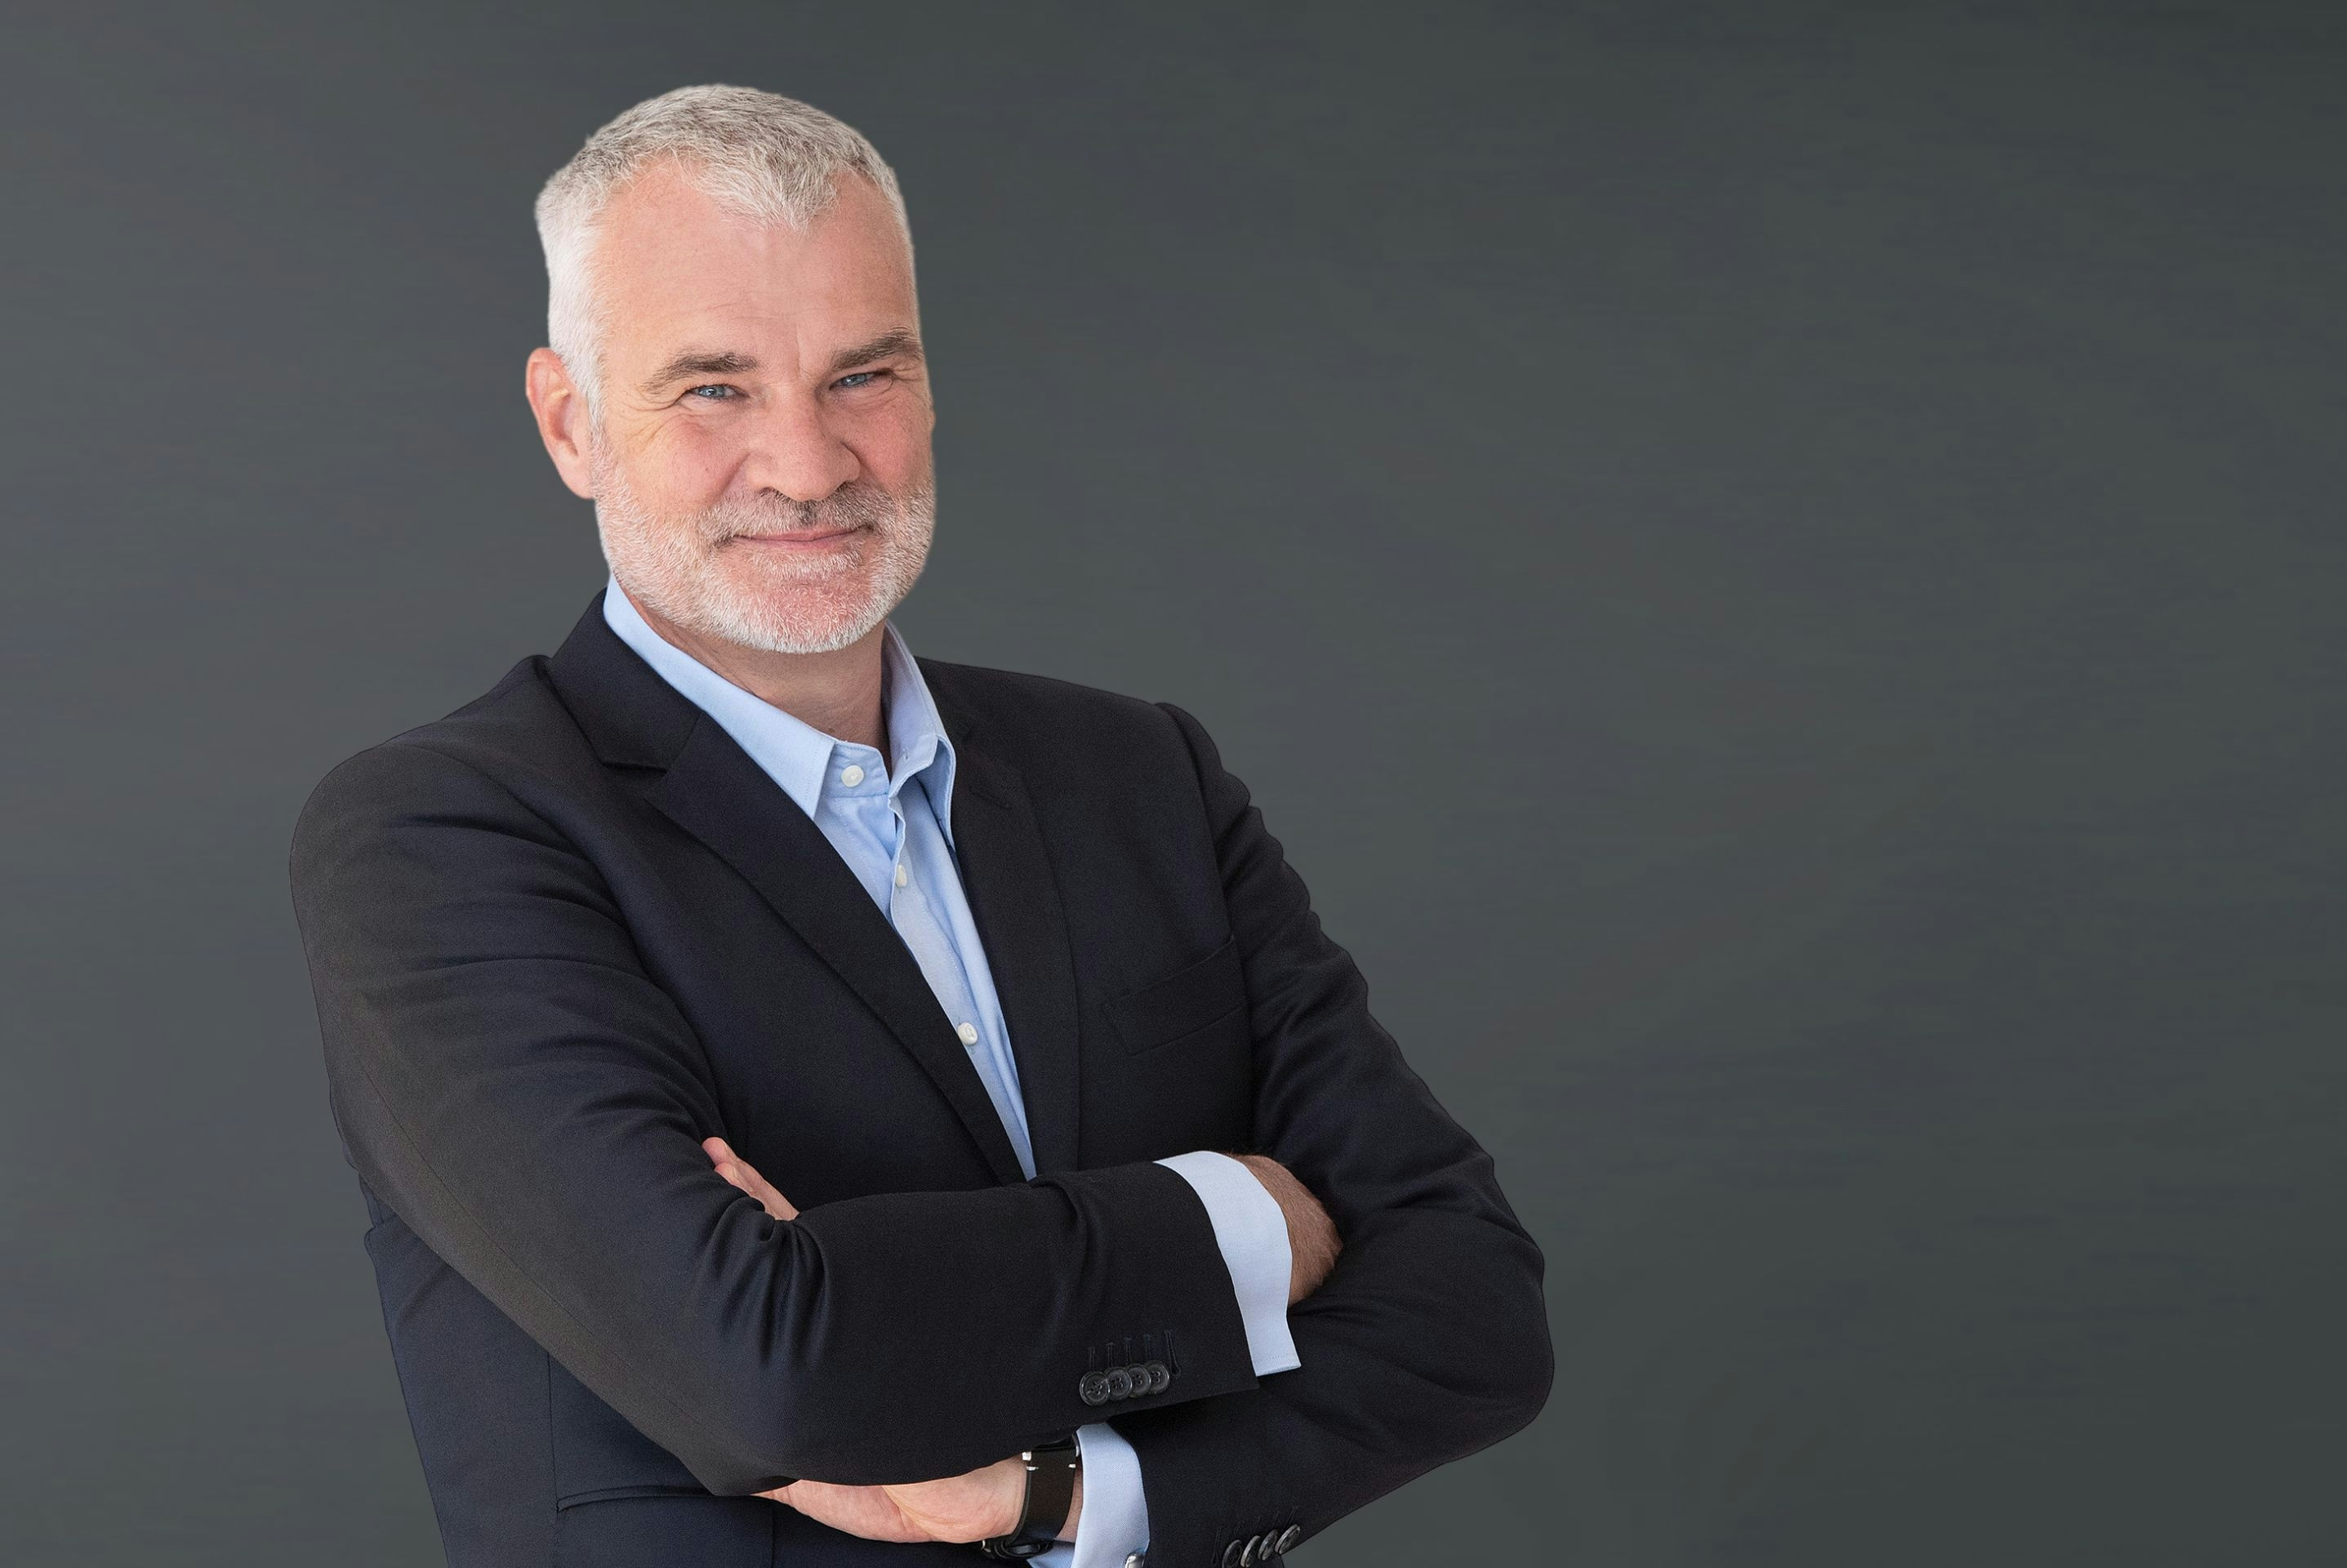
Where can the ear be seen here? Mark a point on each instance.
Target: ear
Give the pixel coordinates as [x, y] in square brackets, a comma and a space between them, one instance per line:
[562, 423]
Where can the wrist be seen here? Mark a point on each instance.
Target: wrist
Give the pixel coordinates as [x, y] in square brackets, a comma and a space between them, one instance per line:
[1048, 1500]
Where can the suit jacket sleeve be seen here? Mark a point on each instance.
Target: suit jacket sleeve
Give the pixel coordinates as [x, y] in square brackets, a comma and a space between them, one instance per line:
[509, 1080]
[1429, 1339]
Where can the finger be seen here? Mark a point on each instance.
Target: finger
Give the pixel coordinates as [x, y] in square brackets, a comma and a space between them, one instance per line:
[758, 1187]
[865, 1511]
[744, 1177]
[774, 1203]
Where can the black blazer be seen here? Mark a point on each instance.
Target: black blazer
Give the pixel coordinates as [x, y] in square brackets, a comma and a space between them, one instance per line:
[562, 935]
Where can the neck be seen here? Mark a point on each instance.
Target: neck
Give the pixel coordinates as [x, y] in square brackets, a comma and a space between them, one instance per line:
[838, 692]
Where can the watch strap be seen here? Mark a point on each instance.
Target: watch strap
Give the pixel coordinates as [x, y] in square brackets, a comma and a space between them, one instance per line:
[1051, 1491]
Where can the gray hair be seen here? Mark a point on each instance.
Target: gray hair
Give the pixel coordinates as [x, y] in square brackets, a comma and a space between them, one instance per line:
[765, 156]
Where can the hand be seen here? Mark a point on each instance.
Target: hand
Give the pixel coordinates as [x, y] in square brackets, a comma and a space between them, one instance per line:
[1312, 1240]
[986, 1501]
[744, 1175]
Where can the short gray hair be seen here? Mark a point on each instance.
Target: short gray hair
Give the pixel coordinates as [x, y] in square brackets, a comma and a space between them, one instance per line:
[767, 158]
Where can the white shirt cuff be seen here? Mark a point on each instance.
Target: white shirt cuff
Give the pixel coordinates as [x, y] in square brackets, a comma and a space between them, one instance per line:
[1114, 1523]
[1252, 1235]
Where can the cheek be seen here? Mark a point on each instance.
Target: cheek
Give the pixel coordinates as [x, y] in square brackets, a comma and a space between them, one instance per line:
[893, 443]
[688, 463]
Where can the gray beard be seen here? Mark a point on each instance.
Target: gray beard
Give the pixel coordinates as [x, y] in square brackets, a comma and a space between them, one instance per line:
[680, 566]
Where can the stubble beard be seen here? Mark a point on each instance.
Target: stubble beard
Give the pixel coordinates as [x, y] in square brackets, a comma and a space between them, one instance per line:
[683, 568]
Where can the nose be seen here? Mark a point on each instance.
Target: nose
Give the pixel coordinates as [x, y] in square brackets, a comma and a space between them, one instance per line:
[794, 451]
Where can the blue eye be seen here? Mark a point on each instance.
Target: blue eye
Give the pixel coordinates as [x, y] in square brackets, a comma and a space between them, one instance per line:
[860, 376]
[719, 387]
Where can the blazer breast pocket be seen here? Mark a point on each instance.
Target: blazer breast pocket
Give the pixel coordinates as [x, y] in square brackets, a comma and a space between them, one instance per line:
[1200, 997]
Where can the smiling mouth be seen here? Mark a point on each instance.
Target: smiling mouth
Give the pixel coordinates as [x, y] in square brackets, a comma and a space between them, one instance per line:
[795, 537]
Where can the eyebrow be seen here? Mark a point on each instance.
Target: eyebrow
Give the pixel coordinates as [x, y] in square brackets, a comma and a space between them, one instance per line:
[894, 343]
[690, 363]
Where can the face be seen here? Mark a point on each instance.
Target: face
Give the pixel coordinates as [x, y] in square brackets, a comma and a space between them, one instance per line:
[761, 469]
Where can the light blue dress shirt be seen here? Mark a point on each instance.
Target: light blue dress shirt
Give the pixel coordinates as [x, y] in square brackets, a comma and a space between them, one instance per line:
[893, 826]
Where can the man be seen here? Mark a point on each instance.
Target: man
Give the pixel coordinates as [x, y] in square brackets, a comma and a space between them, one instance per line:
[822, 1106]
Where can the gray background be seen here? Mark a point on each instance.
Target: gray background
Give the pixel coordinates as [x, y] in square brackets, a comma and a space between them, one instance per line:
[1775, 566]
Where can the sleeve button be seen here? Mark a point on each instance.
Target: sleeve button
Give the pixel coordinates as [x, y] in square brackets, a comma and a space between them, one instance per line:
[1289, 1537]
[1094, 1389]
[1161, 1376]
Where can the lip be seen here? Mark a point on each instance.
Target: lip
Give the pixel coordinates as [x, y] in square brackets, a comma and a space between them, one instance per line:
[795, 540]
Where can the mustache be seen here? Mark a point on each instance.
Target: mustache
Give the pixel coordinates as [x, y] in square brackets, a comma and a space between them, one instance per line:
[858, 505]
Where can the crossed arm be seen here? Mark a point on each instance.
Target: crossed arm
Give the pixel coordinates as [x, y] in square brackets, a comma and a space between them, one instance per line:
[987, 1500]
[511, 1080]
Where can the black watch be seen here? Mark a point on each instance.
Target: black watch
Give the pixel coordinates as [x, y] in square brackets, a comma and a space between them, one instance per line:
[1050, 1489]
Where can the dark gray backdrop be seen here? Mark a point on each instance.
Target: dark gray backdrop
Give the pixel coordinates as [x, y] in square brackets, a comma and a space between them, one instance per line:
[1775, 566]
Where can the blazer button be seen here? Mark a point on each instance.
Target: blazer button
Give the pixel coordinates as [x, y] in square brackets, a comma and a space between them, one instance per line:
[1230, 1554]
[1288, 1538]
[1120, 1383]
[1160, 1377]
[1094, 1389]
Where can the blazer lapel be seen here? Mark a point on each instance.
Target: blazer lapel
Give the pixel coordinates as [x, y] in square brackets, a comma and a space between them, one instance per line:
[714, 791]
[1006, 876]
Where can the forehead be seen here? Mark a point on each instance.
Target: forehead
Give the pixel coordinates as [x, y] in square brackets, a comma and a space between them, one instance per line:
[672, 265]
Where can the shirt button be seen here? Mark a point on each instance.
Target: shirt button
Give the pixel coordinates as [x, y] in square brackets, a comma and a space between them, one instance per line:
[969, 1032]
[851, 776]
[901, 877]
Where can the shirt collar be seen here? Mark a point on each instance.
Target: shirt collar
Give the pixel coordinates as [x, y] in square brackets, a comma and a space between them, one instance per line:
[787, 749]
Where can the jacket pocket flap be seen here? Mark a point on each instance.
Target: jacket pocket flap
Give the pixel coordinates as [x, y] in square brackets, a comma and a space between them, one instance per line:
[598, 1454]
[1184, 1002]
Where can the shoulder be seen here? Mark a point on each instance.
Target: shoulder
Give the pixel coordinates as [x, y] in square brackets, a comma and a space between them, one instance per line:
[494, 754]
[1012, 695]
[1024, 712]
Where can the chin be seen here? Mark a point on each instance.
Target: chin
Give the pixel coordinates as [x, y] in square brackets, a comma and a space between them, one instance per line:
[799, 618]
